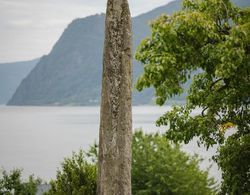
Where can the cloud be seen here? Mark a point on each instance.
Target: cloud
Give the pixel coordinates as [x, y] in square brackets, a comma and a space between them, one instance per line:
[29, 28]
[21, 23]
[14, 3]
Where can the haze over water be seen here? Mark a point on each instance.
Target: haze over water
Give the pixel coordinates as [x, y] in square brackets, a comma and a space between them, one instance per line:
[38, 138]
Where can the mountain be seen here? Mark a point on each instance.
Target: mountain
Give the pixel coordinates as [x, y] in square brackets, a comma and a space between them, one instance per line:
[242, 3]
[71, 73]
[11, 75]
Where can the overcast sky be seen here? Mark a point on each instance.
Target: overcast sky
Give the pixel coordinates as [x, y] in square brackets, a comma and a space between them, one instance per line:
[29, 28]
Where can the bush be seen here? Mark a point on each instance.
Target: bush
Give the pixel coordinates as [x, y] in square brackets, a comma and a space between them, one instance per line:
[157, 168]
[11, 183]
[161, 168]
[77, 177]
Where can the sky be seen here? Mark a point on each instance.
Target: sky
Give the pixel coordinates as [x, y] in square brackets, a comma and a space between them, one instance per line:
[30, 28]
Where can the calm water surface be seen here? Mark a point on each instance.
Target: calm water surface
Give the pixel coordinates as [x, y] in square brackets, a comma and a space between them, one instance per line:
[38, 138]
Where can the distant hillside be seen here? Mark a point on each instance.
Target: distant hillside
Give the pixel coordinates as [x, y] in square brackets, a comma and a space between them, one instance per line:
[71, 73]
[11, 75]
[241, 3]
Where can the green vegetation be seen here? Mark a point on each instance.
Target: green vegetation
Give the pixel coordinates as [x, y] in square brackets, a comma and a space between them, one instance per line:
[11, 183]
[77, 177]
[210, 39]
[233, 160]
[158, 167]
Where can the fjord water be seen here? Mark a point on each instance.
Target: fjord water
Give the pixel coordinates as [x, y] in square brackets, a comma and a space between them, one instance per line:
[37, 139]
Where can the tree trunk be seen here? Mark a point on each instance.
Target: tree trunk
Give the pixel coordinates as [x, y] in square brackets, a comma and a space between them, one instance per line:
[114, 166]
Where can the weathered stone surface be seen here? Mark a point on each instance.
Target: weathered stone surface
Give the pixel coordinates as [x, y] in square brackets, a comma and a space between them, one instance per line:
[114, 168]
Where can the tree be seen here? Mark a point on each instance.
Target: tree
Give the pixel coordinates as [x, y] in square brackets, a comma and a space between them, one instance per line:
[11, 183]
[158, 167]
[233, 160]
[77, 176]
[209, 39]
[114, 167]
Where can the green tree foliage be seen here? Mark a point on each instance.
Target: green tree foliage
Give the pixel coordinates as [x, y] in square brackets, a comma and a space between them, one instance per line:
[211, 39]
[77, 177]
[159, 167]
[11, 183]
[234, 161]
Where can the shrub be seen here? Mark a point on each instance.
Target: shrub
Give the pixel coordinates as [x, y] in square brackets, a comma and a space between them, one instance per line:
[76, 177]
[11, 183]
[158, 167]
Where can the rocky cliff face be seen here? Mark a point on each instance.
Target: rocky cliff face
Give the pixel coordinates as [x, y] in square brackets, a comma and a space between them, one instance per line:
[71, 73]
